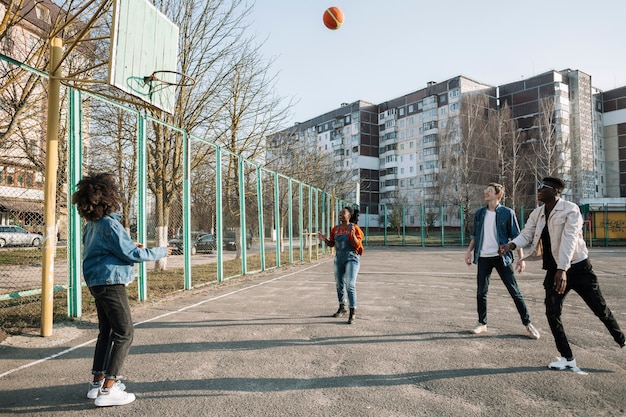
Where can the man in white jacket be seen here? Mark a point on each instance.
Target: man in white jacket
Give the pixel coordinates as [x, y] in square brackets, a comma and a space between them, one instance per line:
[554, 231]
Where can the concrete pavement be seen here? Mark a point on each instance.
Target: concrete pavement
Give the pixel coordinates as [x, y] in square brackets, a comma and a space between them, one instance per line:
[266, 345]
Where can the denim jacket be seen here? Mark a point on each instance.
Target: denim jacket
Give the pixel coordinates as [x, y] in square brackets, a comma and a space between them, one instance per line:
[109, 253]
[506, 226]
[565, 225]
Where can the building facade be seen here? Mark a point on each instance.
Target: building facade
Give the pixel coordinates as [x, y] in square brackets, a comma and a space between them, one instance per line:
[567, 129]
[611, 118]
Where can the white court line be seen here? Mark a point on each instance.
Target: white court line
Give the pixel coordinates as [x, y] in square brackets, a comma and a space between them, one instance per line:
[56, 355]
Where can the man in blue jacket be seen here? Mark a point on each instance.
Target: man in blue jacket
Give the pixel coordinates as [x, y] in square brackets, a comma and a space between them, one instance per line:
[495, 225]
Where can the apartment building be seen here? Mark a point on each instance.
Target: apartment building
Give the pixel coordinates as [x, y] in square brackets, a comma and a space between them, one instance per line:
[350, 134]
[580, 127]
[560, 104]
[611, 118]
[23, 112]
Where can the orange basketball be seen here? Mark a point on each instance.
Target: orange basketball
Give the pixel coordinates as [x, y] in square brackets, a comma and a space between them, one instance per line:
[333, 18]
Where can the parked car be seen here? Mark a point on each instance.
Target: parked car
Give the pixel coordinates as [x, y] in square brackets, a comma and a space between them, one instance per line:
[18, 236]
[176, 243]
[230, 241]
[205, 243]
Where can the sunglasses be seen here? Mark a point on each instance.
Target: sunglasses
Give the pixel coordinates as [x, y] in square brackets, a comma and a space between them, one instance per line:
[542, 185]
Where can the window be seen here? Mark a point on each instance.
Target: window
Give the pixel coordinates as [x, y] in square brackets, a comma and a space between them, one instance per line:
[42, 13]
[454, 93]
[401, 111]
[411, 107]
[10, 176]
[454, 106]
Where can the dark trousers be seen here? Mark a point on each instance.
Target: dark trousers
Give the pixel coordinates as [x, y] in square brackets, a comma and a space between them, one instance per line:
[507, 275]
[582, 279]
[116, 329]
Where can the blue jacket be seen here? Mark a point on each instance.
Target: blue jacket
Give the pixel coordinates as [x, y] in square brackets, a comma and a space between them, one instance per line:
[109, 253]
[506, 226]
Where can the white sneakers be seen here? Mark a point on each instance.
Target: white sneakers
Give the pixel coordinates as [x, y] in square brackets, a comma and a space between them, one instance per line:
[114, 396]
[562, 364]
[480, 328]
[532, 332]
[94, 388]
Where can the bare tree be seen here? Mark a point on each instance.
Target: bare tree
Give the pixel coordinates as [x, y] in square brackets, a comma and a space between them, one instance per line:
[394, 210]
[506, 141]
[547, 149]
[467, 155]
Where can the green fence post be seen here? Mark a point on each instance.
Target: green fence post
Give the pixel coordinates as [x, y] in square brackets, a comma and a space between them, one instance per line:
[522, 218]
[242, 215]
[422, 224]
[187, 244]
[74, 251]
[277, 218]
[403, 226]
[367, 224]
[384, 224]
[219, 240]
[142, 233]
[462, 223]
[441, 214]
[290, 217]
[301, 219]
[606, 224]
[259, 194]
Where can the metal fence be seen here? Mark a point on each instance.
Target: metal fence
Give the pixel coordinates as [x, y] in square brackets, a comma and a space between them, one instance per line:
[225, 215]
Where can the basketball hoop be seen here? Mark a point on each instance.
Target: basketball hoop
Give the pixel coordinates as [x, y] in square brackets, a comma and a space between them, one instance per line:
[159, 80]
[170, 78]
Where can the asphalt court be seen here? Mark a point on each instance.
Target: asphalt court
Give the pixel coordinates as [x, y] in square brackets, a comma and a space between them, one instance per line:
[266, 345]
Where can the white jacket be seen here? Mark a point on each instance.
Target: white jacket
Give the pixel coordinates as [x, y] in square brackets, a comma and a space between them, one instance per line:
[565, 225]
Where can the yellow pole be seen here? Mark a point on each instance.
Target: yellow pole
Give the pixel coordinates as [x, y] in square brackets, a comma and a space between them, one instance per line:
[50, 185]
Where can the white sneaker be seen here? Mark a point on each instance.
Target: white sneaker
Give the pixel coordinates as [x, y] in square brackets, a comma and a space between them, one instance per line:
[114, 396]
[562, 364]
[480, 328]
[532, 332]
[94, 388]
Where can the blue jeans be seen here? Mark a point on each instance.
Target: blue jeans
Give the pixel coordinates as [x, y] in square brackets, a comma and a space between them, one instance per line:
[116, 329]
[485, 266]
[582, 279]
[347, 265]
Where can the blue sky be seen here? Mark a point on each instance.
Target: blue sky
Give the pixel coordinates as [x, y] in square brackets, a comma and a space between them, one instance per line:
[374, 56]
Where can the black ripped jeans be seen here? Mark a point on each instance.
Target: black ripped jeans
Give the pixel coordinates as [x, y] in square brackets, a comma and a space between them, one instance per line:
[582, 279]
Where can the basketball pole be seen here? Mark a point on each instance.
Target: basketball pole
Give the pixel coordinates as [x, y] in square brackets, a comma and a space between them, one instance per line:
[50, 182]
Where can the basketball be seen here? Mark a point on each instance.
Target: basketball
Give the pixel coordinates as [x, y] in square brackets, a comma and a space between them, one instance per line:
[333, 18]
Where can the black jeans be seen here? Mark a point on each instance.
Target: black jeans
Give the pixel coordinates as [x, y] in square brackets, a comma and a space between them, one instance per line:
[582, 279]
[116, 329]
